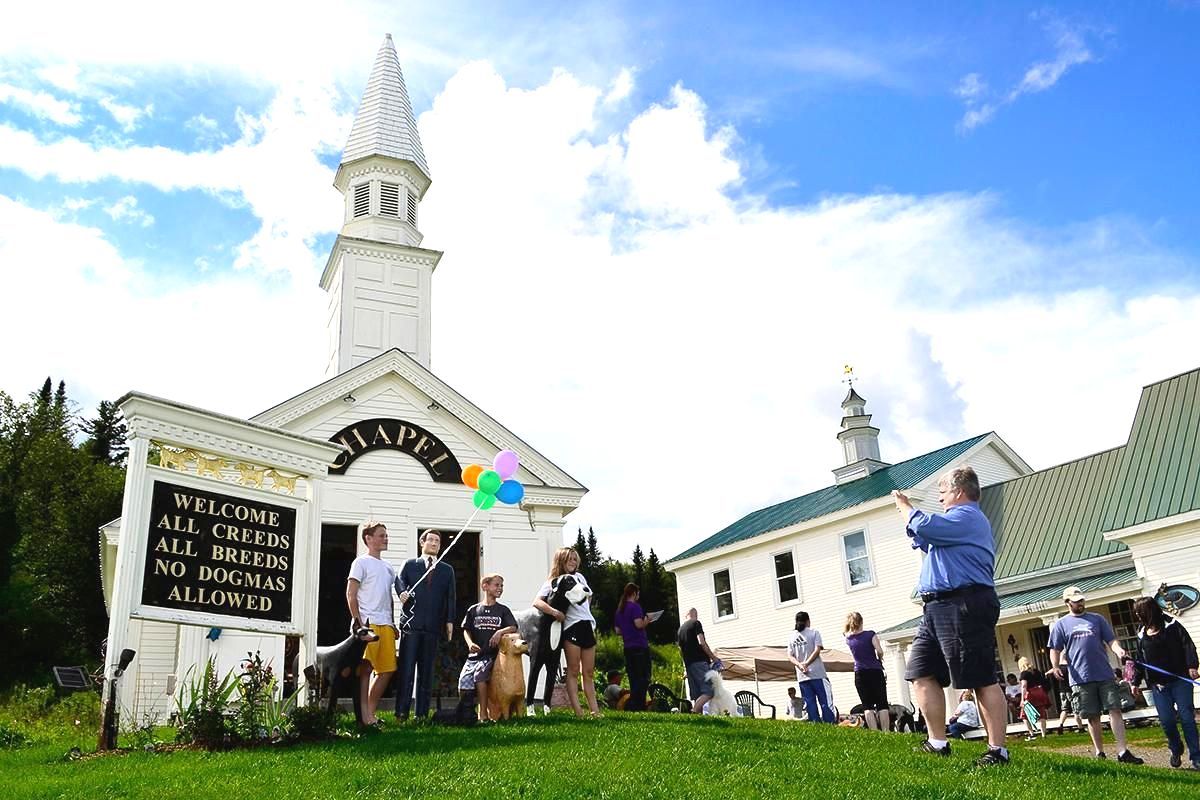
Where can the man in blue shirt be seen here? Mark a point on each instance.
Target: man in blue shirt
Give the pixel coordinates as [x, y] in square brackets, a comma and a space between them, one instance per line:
[956, 640]
[1083, 636]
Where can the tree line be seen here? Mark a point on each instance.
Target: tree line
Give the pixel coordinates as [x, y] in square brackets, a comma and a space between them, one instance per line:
[608, 577]
[61, 477]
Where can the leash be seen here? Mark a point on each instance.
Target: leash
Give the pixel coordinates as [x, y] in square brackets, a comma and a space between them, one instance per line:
[1164, 672]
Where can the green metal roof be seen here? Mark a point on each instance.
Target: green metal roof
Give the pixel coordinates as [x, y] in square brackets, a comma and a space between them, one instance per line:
[1045, 597]
[1052, 517]
[1160, 475]
[904, 475]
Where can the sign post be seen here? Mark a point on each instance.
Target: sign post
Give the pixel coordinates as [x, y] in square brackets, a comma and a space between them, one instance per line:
[223, 532]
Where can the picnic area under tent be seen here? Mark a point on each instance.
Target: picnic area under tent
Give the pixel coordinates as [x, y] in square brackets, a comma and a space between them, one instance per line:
[771, 663]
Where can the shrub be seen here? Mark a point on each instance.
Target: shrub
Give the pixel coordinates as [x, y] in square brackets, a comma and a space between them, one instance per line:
[202, 703]
[11, 738]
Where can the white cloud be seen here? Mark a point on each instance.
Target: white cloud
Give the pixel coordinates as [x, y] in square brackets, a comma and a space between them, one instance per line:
[108, 324]
[126, 210]
[608, 290]
[273, 169]
[621, 88]
[41, 105]
[971, 86]
[126, 116]
[1070, 51]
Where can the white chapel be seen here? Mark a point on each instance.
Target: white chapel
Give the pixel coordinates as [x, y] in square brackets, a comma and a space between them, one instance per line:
[404, 433]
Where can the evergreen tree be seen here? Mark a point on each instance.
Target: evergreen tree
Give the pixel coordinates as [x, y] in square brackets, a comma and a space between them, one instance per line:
[592, 559]
[106, 434]
[639, 565]
[53, 498]
[580, 547]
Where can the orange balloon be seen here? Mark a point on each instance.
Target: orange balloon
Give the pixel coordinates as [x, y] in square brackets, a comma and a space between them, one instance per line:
[470, 475]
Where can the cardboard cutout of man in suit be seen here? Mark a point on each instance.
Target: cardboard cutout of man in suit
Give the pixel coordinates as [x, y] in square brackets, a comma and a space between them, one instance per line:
[432, 617]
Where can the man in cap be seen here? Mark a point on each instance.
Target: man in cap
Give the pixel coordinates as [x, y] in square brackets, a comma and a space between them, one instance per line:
[956, 640]
[1083, 636]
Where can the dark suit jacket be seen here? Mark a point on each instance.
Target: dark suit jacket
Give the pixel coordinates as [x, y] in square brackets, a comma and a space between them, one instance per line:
[435, 595]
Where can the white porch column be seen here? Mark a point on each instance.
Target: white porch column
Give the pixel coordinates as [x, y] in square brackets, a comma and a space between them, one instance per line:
[899, 653]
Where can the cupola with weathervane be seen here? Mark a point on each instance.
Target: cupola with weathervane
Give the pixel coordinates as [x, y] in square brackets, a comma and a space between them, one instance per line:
[378, 276]
[860, 440]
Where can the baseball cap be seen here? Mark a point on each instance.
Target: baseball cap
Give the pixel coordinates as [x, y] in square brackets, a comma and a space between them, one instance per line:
[1073, 593]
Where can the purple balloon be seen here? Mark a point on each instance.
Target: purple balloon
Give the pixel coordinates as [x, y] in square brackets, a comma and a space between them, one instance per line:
[505, 463]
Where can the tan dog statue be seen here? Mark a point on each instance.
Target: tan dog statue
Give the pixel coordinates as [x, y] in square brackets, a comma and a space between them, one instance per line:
[506, 689]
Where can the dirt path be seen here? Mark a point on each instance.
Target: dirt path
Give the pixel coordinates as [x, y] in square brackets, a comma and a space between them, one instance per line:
[1155, 754]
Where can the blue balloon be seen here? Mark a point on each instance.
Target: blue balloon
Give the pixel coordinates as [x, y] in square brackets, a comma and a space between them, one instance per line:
[510, 492]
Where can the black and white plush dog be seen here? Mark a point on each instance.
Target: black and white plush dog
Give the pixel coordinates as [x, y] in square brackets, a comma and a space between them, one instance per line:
[543, 634]
[334, 671]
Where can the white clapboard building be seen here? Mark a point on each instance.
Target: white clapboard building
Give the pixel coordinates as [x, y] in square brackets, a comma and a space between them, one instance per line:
[405, 433]
[1120, 524]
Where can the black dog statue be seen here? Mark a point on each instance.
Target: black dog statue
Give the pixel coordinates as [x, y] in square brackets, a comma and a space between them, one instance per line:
[334, 671]
[543, 633]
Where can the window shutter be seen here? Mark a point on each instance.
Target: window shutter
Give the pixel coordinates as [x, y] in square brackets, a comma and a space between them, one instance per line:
[412, 209]
[389, 200]
[362, 199]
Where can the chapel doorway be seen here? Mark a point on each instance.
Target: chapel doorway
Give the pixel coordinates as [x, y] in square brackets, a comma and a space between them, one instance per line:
[339, 547]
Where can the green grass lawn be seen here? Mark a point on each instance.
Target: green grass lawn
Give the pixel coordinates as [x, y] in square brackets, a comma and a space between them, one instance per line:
[621, 756]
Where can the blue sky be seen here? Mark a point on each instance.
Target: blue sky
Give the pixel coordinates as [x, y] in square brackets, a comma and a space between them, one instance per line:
[970, 202]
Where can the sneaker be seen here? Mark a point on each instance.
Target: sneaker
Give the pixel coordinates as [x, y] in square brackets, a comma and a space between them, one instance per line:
[1126, 757]
[926, 747]
[1176, 760]
[1101, 756]
[1031, 738]
[992, 758]
[1196, 764]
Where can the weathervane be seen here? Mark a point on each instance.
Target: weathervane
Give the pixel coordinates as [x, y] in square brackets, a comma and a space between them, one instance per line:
[848, 371]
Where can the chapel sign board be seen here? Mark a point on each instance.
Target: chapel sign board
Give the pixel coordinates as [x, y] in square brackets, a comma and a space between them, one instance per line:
[219, 553]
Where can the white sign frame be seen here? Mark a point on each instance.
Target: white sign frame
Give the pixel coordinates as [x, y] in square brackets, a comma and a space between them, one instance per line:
[139, 527]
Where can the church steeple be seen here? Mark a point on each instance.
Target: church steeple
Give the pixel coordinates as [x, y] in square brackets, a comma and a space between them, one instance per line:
[385, 125]
[860, 440]
[378, 275]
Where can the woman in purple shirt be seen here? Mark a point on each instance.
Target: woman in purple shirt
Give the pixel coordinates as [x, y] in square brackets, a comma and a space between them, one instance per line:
[631, 622]
[868, 673]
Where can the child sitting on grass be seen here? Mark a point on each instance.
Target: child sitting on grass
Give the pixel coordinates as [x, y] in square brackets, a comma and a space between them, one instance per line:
[483, 626]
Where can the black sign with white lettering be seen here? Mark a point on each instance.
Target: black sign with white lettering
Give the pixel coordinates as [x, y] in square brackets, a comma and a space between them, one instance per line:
[396, 434]
[219, 554]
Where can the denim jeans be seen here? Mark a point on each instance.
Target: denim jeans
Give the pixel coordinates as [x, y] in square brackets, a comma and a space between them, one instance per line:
[817, 700]
[1174, 703]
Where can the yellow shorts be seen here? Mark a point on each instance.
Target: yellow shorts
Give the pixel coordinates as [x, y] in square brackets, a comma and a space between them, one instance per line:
[382, 654]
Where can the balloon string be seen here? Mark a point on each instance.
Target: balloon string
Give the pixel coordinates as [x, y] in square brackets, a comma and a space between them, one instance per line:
[453, 542]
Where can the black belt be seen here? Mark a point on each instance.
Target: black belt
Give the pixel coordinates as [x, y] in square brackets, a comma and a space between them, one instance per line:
[948, 594]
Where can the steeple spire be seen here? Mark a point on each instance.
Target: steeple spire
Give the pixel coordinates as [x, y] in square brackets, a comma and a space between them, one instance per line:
[385, 124]
[860, 440]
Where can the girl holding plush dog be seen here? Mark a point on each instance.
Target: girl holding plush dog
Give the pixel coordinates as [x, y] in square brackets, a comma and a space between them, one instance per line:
[579, 631]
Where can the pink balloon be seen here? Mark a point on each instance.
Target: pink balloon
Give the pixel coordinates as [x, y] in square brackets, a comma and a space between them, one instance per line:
[505, 463]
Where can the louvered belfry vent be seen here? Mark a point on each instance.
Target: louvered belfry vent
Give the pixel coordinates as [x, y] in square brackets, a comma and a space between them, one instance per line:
[362, 199]
[389, 200]
[412, 209]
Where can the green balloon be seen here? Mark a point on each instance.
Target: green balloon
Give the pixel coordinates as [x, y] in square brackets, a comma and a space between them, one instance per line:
[483, 501]
[489, 481]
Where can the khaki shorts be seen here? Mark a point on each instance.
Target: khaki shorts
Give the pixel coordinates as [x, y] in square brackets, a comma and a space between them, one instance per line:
[1091, 700]
[382, 654]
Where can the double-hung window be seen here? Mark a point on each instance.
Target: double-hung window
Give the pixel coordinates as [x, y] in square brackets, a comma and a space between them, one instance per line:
[787, 590]
[857, 559]
[723, 593]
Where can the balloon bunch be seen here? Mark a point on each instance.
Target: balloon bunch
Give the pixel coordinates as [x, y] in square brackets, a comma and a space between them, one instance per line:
[496, 483]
